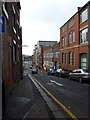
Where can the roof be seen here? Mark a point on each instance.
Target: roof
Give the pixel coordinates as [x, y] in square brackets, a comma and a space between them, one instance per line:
[79, 10]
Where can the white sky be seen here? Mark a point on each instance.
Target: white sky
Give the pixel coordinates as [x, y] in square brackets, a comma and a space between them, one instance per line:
[41, 20]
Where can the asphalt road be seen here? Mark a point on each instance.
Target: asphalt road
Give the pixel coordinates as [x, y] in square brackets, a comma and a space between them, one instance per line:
[72, 94]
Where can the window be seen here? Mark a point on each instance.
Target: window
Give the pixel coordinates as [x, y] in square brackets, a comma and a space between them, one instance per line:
[73, 58]
[84, 35]
[57, 54]
[70, 58]
[83, 59]
[62, 57]
[84, 16]
[18, 53]
[72, 36]
[64, 40]
[65, 58]
[14, 53]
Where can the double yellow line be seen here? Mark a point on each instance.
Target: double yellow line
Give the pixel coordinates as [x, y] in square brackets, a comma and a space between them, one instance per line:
[57, 101]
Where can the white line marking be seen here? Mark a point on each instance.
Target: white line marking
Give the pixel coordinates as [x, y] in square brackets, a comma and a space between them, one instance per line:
[56, 83]
[86, 84]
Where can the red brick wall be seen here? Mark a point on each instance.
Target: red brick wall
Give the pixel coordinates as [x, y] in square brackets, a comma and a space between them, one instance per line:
[75, 47]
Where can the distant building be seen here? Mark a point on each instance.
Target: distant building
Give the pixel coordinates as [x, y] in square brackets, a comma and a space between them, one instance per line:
[75, 40]
[12, 44]
[35, 56]
[48, 58]
[51, 57]
[56, 57]
[38, 52]
[26, 58]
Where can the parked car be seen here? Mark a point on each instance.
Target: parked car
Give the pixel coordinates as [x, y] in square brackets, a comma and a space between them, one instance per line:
[58, 72]
[64, 73]
[51, 71]
[30, 67]
[34, 71]
[79, 74]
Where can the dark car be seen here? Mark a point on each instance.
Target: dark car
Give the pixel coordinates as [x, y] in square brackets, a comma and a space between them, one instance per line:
[64, 73]
[51, 71]
[80, 75]
[34, 71]
[30, 67]
[58, 72]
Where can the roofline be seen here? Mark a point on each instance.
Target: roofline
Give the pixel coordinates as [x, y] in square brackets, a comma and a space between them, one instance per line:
[81, 8]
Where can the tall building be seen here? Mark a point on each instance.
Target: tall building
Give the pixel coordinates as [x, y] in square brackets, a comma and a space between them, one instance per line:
[12, 44]
[75, 40]
[51, 57]
[39, 49]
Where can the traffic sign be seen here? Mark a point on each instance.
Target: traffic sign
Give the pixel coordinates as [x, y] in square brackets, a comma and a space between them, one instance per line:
[2, 24]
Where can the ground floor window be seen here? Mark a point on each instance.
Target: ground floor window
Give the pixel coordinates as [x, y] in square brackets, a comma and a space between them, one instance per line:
[83, 61]
[14, 51]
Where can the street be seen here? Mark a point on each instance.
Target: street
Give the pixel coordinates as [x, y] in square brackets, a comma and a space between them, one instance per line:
[72, 95]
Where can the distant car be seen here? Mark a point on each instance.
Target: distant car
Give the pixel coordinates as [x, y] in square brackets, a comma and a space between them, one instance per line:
[30, 67]
[51, 71]
[64, 73]
[79, 74]
[34, 71]
[58, 72]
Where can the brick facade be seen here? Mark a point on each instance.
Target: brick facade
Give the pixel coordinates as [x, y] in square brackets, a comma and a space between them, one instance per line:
[74, 39]
[12, 44]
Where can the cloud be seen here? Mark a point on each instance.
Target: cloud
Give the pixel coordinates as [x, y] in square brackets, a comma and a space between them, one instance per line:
[41, 19]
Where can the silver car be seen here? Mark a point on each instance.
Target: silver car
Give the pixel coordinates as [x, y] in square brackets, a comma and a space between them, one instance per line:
[79, 74]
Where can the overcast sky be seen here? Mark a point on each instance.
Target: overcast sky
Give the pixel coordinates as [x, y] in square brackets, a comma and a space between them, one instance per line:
[41, 20]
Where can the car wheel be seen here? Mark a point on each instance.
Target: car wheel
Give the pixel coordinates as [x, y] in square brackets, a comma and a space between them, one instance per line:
[59, 75]
[80, 79]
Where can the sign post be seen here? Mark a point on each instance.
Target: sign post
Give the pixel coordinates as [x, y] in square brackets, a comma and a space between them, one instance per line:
[2, 30]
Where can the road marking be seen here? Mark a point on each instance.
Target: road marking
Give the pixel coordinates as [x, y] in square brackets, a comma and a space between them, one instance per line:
[56, 83]
[57, 101]
[86, 84]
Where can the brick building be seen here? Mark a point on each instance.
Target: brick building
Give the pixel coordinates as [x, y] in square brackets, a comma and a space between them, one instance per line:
[35, 56]
[51, 57]
[56, 57]
[12, 44]
[38, 52]
[75, 40]
[48, 58]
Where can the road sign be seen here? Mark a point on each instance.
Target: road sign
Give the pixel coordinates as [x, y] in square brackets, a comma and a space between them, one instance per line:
[2, 24]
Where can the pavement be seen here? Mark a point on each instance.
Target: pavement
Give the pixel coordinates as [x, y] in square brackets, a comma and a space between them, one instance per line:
[25, 101]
